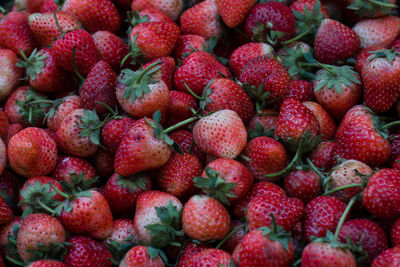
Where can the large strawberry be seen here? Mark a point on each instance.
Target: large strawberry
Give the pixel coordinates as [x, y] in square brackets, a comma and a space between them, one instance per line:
[32, 152]
[234, 12]
[170, 7]
[10, 74]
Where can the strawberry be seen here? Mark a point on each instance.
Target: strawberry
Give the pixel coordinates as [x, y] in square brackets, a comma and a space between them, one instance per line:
[180, 107]
[204, 219]
[287, 211]
[10, 74]
[171, 7]
[43, 73]
[300, 90]
[207, 134]
[378, 31]
[98, 15]
[60, 109]
[268, 73]
[99, 86]
[383, 184]
[337, 89]
[157, 218]
[211, 257]
[3, 124]
[121, 193]
[141, 93]
[9, 232]
[363, 56]
[233, 13]
[103, 162]
[3, 156]
[359, 137]
[265, 247]
[265, 156]
[301, 5]
[239, 231]
[364, 9]
[270, 21]
[45, 28]
[197, 70]
[68, 166]
[85, 251]
[33, 5]
[190, 250]
[326, 123]
[113, 132]
[32, 152]
[154, 39]
[346, 173]
[15, 33]
[12, 130]
[334, 41]
[184, 139]
[243, 54]
[201, 19]
[371, 236]
[380, 94]
[303, 184]
[226, 180]
[6, 215]
[187, 44]
[85, 56]
[321, 214]
[47, 263]
[167, 69]
[263, 124]
[153, 15]
[142, 256]
[177, 175]
[111, 48]
[48, 6]
[390, 257]
[40, 232]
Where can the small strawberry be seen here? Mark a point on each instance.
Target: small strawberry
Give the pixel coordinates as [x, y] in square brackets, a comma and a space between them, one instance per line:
[390, 257]
[187, 44]
[171, 7]
[185, 140]
[142, 256]
[6, 215]
[303, 184]
[113, 132]
[68, 166]
[263, 124]
[180, 107]
[211, 257]
[190, 250]
[10, 74]
[334, 41]
[204, 218]
[323, 155]
[363, 56]
[103, 161]
[300, 90]
[233, 13]
[221, 134]
[32, 152]
[326, 123]
[95, 15]
[60, 109]
[201, 19]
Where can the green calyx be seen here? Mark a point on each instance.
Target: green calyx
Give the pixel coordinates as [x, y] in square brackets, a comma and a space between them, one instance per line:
[264, 33]
[55, 251]
[215, 186]
[33, 65]
[259, 131]
[79, 183]
[33, 108]
[133, 182]
[299, 63]
[335, 76]
[135, 19]
[276, 233]
[169, 229]
[260, 97]
[367, 8]
[204, 99]
[388, 54]
[118, 250]
[53, 107]
[154, 252]
[10, 248]
[138, 82]
[135, 52]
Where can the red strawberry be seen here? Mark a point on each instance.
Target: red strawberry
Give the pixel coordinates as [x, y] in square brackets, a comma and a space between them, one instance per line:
[3, 124]
[337, 92]
[154, 39]
[243, 54]
[85, 251]
[3, 156]
[234, 12]
[61, 108]
[48, 6]
[141, 93]
[171, 7]
[121, 193]
[268, 73]
[211, 257]
[300, 90]
[363, 56]
[103, 162]
[155, 210]
[323, 155]
[33, 5]
[10, 231]
[371, 236]
[239, 231]
[263, 123]
[326, 254]
[10, 74]
[378, 31]
[190, 250]
[15, 33]
[39, 228]
[201, 19]
[99, 86]
[142, 256]
[6, 215]
[153, 15]
[12, 130]
[68, 166]
[204, 218]
[32, 152]
[45, 28]
[301, 5]
[380, 79]
[381, 196]
[184, 139]
[187, 44]
[97, 15]
[272, 21]
[86, 54]
[179, 107]
[177, 175]
[334, 41]
[47, 263]
[167, 69]
[326, 123]
[258, 189]
[322, 214]
[197, 70]
[113, 132]
[221, 134]
[358, 138]
[123, 233]
[112, 49]
[302, 184]
[390, 257]
[265, 247]
[287, 212]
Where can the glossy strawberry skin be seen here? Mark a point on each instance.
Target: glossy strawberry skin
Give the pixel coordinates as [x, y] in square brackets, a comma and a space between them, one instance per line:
[138, 256]
[390, 257]
[323, 155]
[185, 43]
[234, 12]
[326, 123]
[324, 254]
[300, 90]
[171, 7]
[67, 165]
[113, 132]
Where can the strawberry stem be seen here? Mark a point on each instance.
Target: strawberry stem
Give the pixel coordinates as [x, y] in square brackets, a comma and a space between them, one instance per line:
[57, 22]
[301, 35]
[178, 125]
[391, 124]
[378, 3]
[146, 70]
[192, 93]
[344, 215]
[14, 261]
[74, 66]
[341, 188]
[46, 208]
[61, 193]
[290, 165]
[229, 235]
[327, 68]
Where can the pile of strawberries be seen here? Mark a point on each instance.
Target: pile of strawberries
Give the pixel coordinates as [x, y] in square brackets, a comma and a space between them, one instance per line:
[200, 133]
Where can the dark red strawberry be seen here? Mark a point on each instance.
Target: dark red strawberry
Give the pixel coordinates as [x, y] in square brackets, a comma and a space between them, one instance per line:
[68, 166]
[113, 132]
[189, 250]
[302, 184]
[187, 44]
[300, 90]
[185, 140]
[180, 107]
[323, 155]
[390, 257]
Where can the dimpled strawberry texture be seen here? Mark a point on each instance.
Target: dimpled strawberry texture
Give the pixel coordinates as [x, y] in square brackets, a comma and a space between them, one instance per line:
[318, 253]
[47, 263]
[138, 256]
[211, 257]
[390, 257]
[171, 7]
[67, 165]
[69, 104]
[122, 230]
